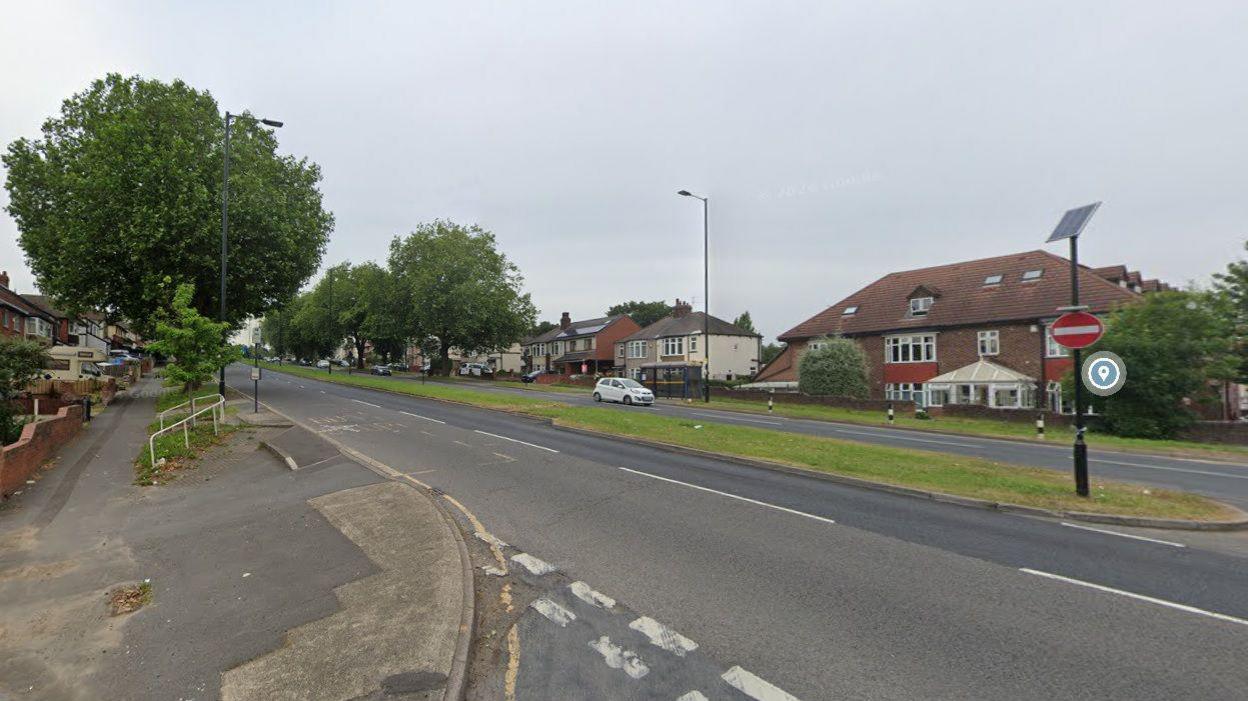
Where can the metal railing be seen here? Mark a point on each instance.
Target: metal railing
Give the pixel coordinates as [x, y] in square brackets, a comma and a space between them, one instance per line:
[218, 405]
[191, 401]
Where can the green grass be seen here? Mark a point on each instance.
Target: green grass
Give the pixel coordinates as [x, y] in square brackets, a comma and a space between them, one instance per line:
[172, 446]
[957, 475]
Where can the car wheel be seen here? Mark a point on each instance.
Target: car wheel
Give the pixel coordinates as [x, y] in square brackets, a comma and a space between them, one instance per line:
[597, 397]
[628, 399]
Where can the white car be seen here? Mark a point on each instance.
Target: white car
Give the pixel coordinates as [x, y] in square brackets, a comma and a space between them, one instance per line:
[622, 389]
[475, 369]
[322, 363]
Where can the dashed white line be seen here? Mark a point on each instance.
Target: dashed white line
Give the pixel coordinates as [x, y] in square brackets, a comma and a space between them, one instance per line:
[694, 695]
[663, 637]
[730, 496]
[1140, 597]
[1172, 469]
[426, 418]
[360, 401]
[907, 438]
[737, 418]
[553, 611]
[755, 686]
[1124, 535]
[516, 440]
[590, 596]
[533, 564]
[618, 658]
[322, 391]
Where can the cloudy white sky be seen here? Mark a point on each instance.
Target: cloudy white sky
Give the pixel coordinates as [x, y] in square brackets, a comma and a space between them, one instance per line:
[837, 141]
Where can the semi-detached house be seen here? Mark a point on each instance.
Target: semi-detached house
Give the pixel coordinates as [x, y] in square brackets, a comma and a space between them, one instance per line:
[578, 347]
[673, 348]
[975, 332]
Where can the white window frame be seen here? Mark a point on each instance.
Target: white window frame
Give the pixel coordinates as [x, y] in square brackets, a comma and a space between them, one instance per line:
[988, 343]
[1032, 275]
[636, 349]
[850, 310]
[619, 350]
[905, 392]
[924, 342]
[816, 345]
[673, 345]
[993, 280]
[693, 344]
[1053, 349]
[920, 306]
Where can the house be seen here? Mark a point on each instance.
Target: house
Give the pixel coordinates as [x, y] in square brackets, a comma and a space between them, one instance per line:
[507, 360]
[20, 319]
[673, 350]
[975, 332]
[578, 347]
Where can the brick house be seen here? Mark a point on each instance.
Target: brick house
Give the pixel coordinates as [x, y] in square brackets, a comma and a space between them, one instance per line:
[578, 347]
[674, 345]
[21, 319]
[975, 332]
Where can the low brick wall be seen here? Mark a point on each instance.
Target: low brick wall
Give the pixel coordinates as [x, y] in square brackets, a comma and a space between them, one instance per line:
[39, 442]
[972, 411]
[880, 405]
[47, 405]
[1228, 432]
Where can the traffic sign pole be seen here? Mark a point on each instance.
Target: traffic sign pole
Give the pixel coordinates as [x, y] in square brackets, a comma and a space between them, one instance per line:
[1081, 447]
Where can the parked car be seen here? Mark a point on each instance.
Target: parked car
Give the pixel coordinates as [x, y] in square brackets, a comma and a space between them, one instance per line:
[622, 389]
[381, 370]
[305, 363]
[531, 376]
[475, 369]
[322, 363]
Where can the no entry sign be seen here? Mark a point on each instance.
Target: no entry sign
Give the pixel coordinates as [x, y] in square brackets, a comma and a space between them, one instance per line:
[1077, 330]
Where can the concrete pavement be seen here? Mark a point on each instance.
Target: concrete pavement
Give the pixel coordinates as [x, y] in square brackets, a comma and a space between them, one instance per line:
[823, 590]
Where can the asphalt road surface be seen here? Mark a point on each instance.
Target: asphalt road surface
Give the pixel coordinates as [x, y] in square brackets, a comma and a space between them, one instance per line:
[822, 590]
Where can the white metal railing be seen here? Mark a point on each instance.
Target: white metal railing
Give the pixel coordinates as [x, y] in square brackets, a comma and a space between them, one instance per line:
[191, 401]
[218, 405]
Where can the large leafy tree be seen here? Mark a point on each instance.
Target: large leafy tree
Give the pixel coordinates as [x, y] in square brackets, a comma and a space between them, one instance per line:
[542, 327]
[123, 190]
[771, 351]
[1173, 345]
[1232, 287]
[838, 369]
[745, 322]
[194, 343]
[20, 362]
[458, 287]
[644, 313]
[358, 303]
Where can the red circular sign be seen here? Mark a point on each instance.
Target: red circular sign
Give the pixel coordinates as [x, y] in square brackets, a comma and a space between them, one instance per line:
[1077, 330]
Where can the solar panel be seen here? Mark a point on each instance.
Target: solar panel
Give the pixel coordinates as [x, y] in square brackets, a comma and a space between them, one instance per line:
[1073, 222]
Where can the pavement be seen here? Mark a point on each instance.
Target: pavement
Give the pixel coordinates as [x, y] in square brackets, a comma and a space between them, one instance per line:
[787, 584]
[326, 582]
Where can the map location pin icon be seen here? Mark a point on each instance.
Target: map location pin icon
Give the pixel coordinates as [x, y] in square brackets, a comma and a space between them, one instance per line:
[1103, 371]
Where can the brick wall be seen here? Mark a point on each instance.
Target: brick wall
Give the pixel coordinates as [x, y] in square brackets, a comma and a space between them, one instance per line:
[879, 405]
[39, 442]
[1231, 432]
[971, 411]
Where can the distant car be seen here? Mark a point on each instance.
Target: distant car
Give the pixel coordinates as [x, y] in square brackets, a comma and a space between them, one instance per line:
[343, 363]
[622, 389]
[322, 363]
[531, 376]
[381, 370]
[306, 363]
[475, 369]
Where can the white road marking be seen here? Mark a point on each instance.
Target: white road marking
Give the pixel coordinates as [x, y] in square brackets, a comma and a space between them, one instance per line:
[515, 440]
[585, 593]
[533, 564]
[1172, 469]
[619, 658]
[302, 387]
[322, 391]
[1141, 597]
[1124, 535]
[755, 686]
[730, 496]
[694, 695]
[490, 538]
[907, 438]
[737, 418]
[359, 401]
[553, 611]
[663, 637]
[494, 571]
[426, 418]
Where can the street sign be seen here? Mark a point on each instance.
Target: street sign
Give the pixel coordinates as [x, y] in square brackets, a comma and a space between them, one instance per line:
[1103, 373]
[255, 374]
[1077, 330]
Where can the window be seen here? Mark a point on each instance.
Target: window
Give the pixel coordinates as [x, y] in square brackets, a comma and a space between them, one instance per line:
[1032, 274]
[1051, 347]
[910, 349]
[920, 305]
[619, 350]
[904, 392]
[992, 280]
[850, 311]
[674, 345]
[636, 373]
[636, 349]
[816, 345]
[989, 343]
[693, 344]
[937, 397]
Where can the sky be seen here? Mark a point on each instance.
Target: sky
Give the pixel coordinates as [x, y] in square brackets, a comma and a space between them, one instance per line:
[836, 141]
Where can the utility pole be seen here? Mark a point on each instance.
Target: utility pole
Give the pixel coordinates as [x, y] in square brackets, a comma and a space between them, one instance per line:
[706, 294]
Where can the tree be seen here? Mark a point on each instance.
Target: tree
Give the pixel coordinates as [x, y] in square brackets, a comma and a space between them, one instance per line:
[127, 179]
[542, 327]
[1173, 345]
[1232, 287]
[771, 351]
[20, 362]
[457, 287]
[644, 313]
[745, 322]
[837, 369]
[195, 344]
[276, 329]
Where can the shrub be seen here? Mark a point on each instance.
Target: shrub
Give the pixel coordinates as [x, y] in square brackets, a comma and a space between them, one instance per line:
[838, 369]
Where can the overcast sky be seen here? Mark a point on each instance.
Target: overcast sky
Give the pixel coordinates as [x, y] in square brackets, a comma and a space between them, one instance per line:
[837, 141]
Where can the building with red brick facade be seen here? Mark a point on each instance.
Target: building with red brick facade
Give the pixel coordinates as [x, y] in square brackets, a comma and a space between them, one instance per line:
[577, 347]
[975, 332]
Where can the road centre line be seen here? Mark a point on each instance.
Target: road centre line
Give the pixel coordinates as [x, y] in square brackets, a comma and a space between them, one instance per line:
[734, 418]
[1124, 535]
[1171, 469]
[1140, 597]
[730, 496]
[361, 401]
[516, 440]
[426, 418]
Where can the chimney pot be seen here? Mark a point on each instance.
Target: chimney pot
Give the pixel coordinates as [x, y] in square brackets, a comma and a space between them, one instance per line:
[681, 308]
[565, 321]
[4, 279]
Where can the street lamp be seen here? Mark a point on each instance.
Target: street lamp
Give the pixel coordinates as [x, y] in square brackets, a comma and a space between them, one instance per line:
[706, 295]
[225, 219]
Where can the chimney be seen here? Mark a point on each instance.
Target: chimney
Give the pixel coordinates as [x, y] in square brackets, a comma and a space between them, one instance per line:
[681, 308]
[4, 279]
[565, 321]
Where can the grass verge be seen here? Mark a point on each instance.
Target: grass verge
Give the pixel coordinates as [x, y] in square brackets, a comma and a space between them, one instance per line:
[177, 449]
[957, 475]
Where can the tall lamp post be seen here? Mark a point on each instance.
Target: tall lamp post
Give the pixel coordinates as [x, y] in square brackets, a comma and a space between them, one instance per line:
[706, 295]
[225, 219]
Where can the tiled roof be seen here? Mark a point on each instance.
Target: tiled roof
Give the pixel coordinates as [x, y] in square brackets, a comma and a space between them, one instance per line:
[587, 327]
[44, 304]
[964, 298]
[13, 300]
[684, 325]
[573, 357]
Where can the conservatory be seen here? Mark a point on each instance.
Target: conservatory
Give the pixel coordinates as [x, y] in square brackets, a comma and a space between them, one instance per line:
[984, 384]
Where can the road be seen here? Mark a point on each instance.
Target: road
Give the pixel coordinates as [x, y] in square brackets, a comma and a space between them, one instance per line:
[824, 590]
[1225, 481]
